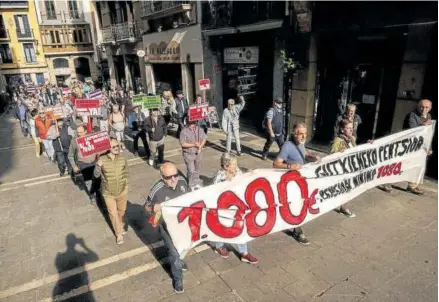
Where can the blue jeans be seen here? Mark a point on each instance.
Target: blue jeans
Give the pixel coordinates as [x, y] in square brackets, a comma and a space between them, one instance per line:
[63, 162]
[173, 256]
[24, 129]
[242, 248]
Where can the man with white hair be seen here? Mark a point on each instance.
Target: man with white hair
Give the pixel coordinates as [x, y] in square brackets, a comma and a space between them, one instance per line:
[293, 156]
[230, 123]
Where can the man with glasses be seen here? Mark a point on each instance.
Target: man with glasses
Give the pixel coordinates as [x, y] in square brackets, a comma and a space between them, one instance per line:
[230, 123]
[113, 169]
[172, 185]
[42, 123]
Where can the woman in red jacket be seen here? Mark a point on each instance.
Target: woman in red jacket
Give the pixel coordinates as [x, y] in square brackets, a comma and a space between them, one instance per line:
[43, 123]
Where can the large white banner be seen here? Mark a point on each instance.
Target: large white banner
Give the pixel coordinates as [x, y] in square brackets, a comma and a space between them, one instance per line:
[266, 201]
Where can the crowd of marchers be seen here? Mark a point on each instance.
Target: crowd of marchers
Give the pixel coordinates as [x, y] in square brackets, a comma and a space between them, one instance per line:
[106, 175]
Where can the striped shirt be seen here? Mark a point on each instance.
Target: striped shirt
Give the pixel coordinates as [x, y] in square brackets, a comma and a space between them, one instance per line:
[189, 135]
[160, 192]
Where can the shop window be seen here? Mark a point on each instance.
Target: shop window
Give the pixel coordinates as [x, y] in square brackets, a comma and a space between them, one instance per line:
[29, 52]
[5, 54]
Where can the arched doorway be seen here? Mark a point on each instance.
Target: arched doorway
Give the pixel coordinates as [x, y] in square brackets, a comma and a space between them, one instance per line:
[82, 68]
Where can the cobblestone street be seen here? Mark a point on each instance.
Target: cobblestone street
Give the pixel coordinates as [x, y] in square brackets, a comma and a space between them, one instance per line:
[56, 246]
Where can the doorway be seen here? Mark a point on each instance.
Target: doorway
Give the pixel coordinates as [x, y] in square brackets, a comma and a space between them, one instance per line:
[167, 76]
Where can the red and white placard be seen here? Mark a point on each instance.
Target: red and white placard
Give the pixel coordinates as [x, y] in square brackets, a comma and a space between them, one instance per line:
[204, 84]
[88, 107]
[198, 112]
[94, 143]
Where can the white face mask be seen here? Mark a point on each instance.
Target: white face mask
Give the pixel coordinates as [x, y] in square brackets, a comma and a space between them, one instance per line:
[278, 106]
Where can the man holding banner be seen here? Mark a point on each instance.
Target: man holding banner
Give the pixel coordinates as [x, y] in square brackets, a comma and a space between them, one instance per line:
[292, 156]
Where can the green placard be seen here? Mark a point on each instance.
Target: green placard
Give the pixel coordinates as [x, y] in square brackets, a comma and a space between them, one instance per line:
[146, 101]
[138, 99]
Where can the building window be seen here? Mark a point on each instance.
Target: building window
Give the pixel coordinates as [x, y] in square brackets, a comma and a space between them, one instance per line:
[54, 37]
[3, 32]
[73, 9]
[29, 52]
[40, 78]
[78, 36]
[5, 54]
[50, 9]
[60, 63]
[22, 26]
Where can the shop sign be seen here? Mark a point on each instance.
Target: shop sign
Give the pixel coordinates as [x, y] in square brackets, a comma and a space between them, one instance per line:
[241, 55]
[163, 52]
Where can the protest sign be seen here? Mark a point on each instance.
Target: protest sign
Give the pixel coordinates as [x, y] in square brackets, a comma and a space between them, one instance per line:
[266, 201]
[96, 94]
[57, 112]
[147, 101]
[88, 107]
[198, 112]
[94, 143]
[204, 84]
[213, 117]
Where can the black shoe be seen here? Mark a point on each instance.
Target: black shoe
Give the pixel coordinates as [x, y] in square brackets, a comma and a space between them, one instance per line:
[184, 267]
[301, 238]
[178, 287]
[61, 174]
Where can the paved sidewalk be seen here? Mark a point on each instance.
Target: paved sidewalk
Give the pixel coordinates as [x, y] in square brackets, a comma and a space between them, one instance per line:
[55, 245]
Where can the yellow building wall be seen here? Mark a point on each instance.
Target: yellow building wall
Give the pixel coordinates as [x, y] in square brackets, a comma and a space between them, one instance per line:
[19, 65]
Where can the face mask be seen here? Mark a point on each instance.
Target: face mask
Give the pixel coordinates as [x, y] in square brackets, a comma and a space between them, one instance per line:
[279, 106]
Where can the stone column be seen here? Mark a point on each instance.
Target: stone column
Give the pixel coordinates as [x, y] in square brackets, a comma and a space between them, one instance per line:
[128, 78]
[412, 73]
[199, 74]
[111, 68]
[303, 92]
[213, 70]
[150, 80]
[187, 79]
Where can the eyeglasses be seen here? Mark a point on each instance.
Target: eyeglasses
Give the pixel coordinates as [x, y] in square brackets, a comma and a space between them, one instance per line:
[168, 177]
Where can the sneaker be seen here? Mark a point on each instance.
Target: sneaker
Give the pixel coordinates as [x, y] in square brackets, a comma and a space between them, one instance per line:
[223, 252]
[37, 155]
[347, 213]
[415, 191]
[301, 238]
[178, 287]
[249, 259]
[61, 174]
[119, 240]
[184, 267]
[151, 162]
[264, 157]
[92, 199]
[239, 153]
[386, 188]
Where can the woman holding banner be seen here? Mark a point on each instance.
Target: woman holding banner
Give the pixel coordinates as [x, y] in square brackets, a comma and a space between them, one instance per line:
[343, 141]
[229, 170]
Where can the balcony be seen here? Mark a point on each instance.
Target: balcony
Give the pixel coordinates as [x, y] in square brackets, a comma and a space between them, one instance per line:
[74, 15]
[25, 33]
[222, 14]
[4, 34]
[160, 9]
[49, 16]
[14, 4]
[121, 32]
[67, 48]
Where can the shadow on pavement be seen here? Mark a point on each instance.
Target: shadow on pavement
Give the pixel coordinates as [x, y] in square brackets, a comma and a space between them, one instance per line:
[6, 144]
[71, 259]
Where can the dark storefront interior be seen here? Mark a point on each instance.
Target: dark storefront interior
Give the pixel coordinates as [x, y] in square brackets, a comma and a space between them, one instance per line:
[167, 76]
[254, 81]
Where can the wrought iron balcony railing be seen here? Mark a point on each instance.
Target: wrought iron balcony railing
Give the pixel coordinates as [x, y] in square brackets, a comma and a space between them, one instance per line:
[4, 34]
[158, 9]
[74, 15]
[50, 15]
[120, 32]
[25, 33]
[66, 48]
[219, 14]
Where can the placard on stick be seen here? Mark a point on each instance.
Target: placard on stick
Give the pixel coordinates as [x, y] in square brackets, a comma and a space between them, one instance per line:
[198, 112]
[94, 143]
[88, 107]
[147, 101]
[57, 112]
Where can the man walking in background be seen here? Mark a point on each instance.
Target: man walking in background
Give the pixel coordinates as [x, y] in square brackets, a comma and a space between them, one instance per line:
[274, 126]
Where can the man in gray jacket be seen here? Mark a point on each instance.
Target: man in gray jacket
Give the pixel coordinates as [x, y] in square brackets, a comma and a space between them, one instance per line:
[230, 123]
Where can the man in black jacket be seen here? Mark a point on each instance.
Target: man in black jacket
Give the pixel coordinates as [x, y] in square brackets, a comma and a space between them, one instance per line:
[155, 126]
[180, 109]
[137, 125]
[61, 144]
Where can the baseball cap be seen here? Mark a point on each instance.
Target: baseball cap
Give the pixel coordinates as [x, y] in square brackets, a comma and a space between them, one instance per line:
[278, 100]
